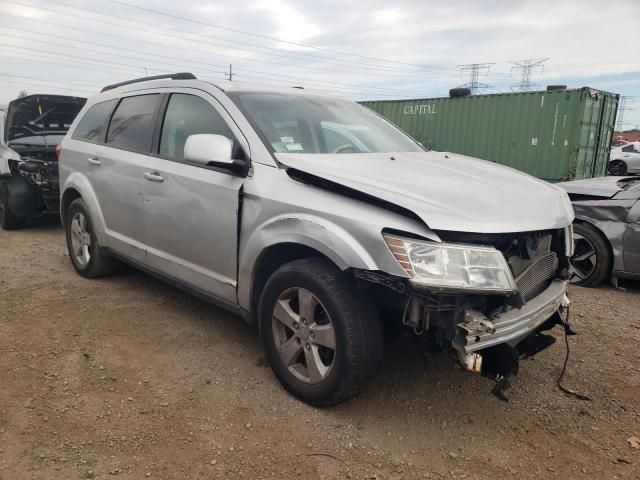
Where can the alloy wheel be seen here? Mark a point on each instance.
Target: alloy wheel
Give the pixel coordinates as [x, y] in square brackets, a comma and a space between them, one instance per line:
[304, 335]
[617, 169]
[80, 239]
[584, 259]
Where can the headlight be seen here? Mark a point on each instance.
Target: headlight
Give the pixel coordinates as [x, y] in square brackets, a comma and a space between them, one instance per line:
[450, 266]
[568, 240]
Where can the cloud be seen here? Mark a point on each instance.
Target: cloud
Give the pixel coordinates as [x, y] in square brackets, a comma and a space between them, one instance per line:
[425, 40]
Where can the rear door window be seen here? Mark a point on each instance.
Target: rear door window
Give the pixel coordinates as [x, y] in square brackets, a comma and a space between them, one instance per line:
[93, 126]
[132, 124]
[189, 115]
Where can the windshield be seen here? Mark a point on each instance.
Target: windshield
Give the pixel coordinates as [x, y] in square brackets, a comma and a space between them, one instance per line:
[315, 124]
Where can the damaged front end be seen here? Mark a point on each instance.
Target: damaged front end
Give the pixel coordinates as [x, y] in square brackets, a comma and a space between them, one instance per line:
[29, 183]
[486, 296]
[32, 186]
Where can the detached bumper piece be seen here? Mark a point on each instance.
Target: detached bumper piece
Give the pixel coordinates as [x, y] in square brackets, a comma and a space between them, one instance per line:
[510, 327]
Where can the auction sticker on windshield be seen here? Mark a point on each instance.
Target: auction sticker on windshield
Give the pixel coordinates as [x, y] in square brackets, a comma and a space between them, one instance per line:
[294, 147]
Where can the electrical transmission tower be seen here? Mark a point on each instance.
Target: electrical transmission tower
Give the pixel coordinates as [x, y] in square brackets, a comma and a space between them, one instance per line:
[527, 68]
[474, 71]
[229, 75]
[622, 107]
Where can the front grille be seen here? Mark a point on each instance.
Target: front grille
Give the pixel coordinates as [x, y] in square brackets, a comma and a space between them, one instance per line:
[536, 277]
[540, 246]
[533, 257]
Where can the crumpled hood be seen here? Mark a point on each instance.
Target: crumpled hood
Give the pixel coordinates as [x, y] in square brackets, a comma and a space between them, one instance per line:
[447, 191]
[605, 187]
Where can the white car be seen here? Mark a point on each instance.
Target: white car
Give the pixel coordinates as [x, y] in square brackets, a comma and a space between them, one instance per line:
[625, 159]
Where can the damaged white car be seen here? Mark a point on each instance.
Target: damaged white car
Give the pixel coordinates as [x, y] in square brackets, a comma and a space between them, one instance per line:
[31, 131]
[317, 221]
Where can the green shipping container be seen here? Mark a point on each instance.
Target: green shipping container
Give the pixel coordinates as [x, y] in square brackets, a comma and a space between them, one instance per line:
[554, 135]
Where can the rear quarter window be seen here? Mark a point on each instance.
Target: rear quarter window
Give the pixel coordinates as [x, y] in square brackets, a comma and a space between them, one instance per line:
[93, 125]
[132, 123]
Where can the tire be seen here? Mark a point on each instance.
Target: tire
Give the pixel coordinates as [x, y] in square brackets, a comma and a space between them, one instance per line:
[8, 219]
[340, 306]
[617, 168]
[90, 260]
[592, 257]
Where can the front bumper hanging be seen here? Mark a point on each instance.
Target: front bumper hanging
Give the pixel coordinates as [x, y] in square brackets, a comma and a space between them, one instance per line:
[512, 326]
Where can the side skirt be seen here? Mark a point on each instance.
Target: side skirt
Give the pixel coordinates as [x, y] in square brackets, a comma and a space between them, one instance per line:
[625, 275]
[195, 291]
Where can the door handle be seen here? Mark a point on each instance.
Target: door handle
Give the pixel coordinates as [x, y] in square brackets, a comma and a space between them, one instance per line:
[153, 176]
[94, 161]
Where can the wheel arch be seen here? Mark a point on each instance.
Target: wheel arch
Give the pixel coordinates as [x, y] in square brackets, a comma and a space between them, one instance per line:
[282, 240]
[272, 258]
[78, 186]
[68, 196]
[603, 236]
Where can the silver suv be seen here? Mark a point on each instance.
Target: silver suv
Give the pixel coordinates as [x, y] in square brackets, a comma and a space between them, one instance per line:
[317, 221]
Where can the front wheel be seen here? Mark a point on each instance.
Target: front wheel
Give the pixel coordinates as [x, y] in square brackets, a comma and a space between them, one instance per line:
[322, 337]
[617, 168]
[591, 259]
[8, 219]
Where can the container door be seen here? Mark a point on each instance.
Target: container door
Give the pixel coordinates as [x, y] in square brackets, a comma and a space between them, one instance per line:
[589, 130]
[605, 132]
[552, 151]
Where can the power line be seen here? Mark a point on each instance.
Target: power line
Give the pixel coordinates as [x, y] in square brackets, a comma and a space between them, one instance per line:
[47, 83]
[402, 91]
[126, 76]
[99, 52]
[275, 39]
[475, 70]
[527, 67]
[177, 65]
[261, 81]
[64, 82]
[279, 54]
[50, 54]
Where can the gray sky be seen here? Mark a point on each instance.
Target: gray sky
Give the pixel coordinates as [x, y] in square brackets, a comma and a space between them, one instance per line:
[361, 50]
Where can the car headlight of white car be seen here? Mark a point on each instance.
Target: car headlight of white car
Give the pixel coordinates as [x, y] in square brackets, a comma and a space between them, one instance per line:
[446, 266]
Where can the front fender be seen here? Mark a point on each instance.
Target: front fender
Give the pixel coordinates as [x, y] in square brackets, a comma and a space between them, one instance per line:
[326, 237]
[78, 182]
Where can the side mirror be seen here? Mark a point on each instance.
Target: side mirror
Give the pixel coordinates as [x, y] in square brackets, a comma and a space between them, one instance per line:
[208, 149]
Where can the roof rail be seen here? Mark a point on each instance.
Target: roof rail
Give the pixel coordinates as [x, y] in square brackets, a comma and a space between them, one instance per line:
[172, 76]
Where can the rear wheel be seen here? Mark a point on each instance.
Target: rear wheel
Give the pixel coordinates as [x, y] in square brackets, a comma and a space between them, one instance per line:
[322, 337]
[8, 219]
[86, 255]
[591, 260]
[617, 168]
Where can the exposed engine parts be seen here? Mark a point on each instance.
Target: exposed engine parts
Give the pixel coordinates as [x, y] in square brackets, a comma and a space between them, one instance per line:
[487, 333]
[43, 176]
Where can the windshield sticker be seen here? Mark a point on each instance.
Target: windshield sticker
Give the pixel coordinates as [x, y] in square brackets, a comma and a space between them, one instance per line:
[294, 147]
[287, 139]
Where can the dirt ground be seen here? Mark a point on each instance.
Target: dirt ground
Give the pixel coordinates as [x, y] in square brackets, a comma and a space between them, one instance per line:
[126, 377]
